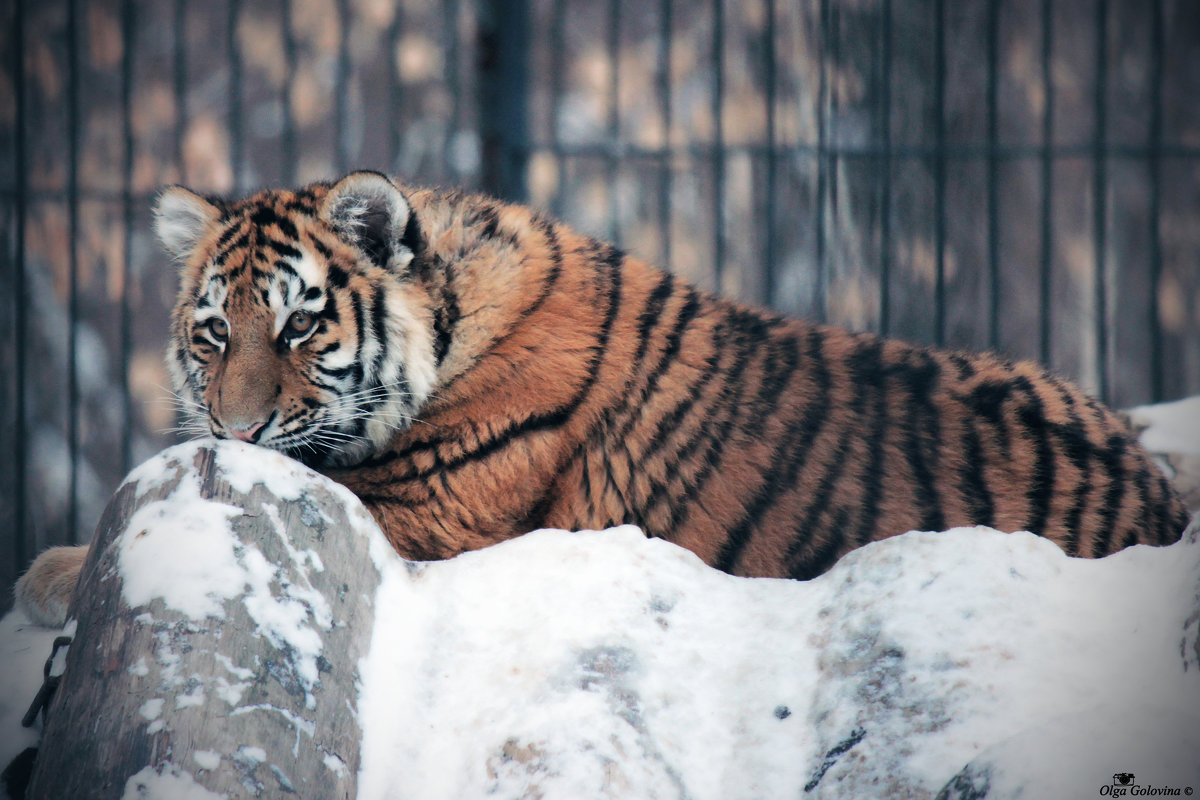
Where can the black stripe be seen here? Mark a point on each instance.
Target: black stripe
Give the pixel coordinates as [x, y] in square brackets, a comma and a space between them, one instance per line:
[972, 479]
[445, 316]
[1079, 448]
[1032, 415]
[265, 215]
[986, 401]
[867, 370]
[749, 338]
[687, 312]
[864, 373]
[302, 204]
[329, 313]
[788, 457]
[227, 236]
[822, 558]
[337, 277]
[652, 314]
[1131, 538]
[669, 422]
[321, 249]
[282, 248]
[922, 441]
[284, 266]
[489, 217]
[337, 373]
[225, 252]
[725, 337]
[356, 303]
[378, 328]
[779, 366]
[412, 238]
[834, 536]
[556, 267]
[963, 364]
[1112, 457]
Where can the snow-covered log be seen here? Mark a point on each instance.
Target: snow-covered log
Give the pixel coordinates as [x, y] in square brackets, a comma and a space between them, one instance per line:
[221, 617]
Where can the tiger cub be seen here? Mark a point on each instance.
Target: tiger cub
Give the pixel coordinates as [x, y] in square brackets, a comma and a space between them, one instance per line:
[560, 382]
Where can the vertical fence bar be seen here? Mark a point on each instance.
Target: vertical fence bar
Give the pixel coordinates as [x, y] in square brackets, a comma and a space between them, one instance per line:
[450, 11]
[395, 141]
[885, 173]
[288, 138]
[179, 23]
[822, 147]
[1154, 166]
[558, 32]
[665, 165]
[73, 79]
[342, 156]
[614, 121]
[1100, 200]
[1047, 180]
[503, 114]
[993, 167]
[718, 154]
[21, 548]
[127, 64]
[237, 145]
[939, 172]
[833, 151]
[769, 256]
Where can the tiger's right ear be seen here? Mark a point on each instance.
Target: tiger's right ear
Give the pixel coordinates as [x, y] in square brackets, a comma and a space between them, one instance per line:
[180, 219]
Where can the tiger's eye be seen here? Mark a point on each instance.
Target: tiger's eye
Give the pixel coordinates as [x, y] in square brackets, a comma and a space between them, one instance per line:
[300, 323]
[219, 328]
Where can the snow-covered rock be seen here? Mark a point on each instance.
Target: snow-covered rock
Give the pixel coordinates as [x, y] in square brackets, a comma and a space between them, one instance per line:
[603, 664]
[1171, 432]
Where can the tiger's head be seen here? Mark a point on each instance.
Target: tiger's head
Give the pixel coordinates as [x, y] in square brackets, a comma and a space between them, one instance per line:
[302, 323]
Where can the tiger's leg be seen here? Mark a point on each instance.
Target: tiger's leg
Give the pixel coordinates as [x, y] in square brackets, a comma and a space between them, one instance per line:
[44, 592]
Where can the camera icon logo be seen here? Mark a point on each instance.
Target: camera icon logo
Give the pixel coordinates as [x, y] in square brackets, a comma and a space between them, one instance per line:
[1123, 779]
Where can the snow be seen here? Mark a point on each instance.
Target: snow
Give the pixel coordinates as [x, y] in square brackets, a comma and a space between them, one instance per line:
[193, 536]
[608, 665]
[24, 648]
[209, 565]
[605, 664]
[169, 783]
[1169, 427]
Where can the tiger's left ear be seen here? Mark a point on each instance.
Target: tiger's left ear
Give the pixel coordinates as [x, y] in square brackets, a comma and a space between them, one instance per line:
[371, 212]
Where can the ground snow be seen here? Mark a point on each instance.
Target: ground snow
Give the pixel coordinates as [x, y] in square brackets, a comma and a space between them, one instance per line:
[1169, 427]
[592, 665]
[608, 665]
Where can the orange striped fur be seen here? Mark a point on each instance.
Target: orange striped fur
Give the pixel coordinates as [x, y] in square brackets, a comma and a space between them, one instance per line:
[517, 375]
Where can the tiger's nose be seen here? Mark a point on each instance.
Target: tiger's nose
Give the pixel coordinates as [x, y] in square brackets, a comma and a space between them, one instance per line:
[248, 434]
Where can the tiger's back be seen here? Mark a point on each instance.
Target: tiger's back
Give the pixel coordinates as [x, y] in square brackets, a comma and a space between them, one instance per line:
[768, 446]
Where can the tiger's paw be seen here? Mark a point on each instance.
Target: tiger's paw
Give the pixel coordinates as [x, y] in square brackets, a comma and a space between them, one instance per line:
[44, 592]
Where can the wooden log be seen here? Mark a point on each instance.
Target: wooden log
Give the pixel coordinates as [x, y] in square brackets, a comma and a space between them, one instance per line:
[221, 616]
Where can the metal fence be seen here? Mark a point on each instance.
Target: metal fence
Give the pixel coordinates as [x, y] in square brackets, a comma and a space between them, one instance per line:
[999, 174]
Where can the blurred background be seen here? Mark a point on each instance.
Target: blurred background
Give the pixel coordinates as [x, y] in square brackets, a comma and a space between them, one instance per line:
[1014, 175]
